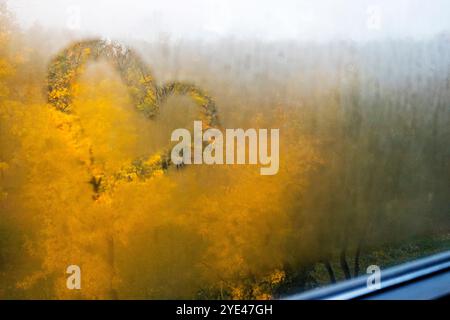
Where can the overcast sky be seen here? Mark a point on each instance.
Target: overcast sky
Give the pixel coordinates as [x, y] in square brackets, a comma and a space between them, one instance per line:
[264, 19]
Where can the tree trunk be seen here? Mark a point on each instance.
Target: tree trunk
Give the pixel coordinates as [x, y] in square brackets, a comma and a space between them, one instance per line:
[330, 271]
[111, 262]
[344, 265]
[357, 261]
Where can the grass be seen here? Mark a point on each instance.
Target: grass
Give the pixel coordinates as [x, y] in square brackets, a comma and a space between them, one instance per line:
[384, 257]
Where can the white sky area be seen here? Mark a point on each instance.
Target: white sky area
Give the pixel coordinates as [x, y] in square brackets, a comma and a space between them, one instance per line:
[318, 20]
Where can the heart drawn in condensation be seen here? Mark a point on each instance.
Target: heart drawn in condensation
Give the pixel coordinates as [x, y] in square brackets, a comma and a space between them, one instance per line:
[65, 70]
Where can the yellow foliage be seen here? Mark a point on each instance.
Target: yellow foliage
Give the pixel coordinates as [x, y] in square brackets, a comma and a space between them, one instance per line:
[167, 236]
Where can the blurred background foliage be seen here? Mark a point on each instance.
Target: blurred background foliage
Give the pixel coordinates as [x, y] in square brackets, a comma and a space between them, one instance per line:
[364, 169]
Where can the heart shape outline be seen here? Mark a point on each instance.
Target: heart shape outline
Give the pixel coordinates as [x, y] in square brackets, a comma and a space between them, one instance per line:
[68, 65]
